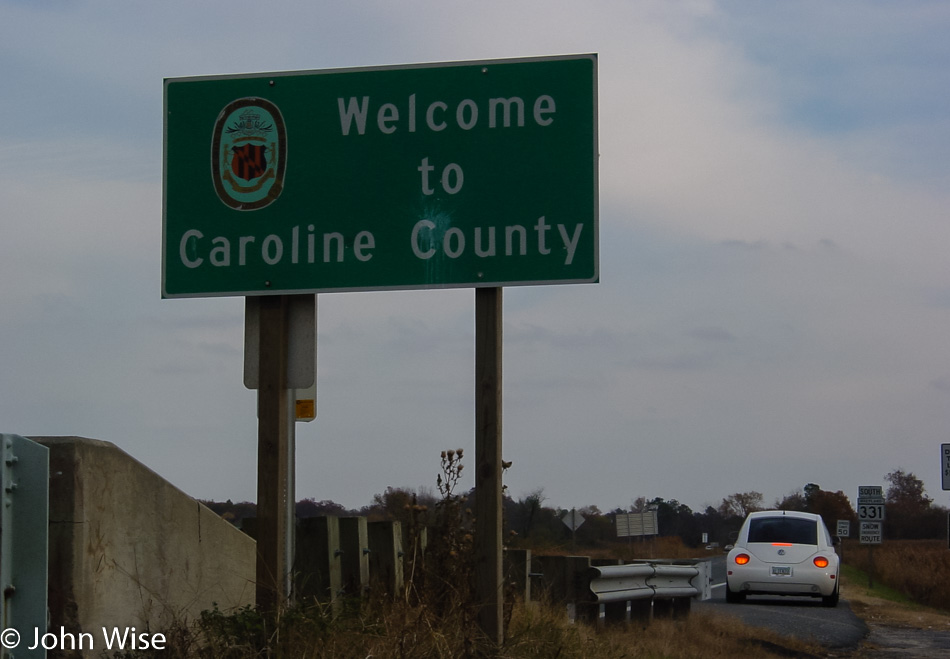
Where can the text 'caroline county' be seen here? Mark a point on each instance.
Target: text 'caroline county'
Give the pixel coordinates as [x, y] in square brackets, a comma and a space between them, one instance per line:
[425, 240]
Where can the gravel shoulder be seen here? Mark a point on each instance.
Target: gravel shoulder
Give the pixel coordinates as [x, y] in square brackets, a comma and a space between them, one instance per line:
[898, 631]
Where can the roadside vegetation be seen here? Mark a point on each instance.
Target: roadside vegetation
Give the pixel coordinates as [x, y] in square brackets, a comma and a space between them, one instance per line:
[401, 630]
[415, 626]
[433, 617]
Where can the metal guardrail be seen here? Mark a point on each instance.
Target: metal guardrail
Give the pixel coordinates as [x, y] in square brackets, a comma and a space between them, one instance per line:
[24, 537]
[641, 581]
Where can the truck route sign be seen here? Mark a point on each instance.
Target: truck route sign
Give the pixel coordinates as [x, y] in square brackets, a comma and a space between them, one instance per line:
[439, 175]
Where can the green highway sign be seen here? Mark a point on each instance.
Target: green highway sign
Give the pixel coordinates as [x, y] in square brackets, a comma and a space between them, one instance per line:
[407, 177]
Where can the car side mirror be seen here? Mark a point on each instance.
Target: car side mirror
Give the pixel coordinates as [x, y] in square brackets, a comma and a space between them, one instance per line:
[835, 541]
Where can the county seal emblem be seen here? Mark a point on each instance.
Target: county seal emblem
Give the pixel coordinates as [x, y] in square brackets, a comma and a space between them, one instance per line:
[249, 154]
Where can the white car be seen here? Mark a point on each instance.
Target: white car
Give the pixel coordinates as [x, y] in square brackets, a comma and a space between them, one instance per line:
[783, 552]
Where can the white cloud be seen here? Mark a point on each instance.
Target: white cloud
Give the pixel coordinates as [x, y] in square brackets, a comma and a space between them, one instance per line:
[772, 243]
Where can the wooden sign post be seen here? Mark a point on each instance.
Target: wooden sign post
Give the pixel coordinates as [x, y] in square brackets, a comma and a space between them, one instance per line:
[274, 429]
[489, 589]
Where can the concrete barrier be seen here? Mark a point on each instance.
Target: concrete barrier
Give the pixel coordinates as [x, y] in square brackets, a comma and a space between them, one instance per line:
[128, 549]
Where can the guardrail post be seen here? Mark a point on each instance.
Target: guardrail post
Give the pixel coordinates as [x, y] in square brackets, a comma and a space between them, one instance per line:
[518, 571]
[663, 608]
[641, 611]
[681, 607]
[354, 562]
[615, 612]
[386, 556]
[565, 581]
[319, 573]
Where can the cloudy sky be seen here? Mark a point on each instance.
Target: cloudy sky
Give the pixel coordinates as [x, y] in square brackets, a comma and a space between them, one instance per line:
[774, 304]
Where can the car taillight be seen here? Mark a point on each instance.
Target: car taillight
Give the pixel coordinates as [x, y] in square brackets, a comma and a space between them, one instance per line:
[741, 559]
[820, 561]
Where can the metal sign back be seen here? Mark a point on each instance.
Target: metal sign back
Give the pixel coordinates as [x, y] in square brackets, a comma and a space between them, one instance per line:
[301, 342]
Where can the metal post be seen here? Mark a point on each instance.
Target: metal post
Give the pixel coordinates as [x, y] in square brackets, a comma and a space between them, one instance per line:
[573, 530]
[273, 459]
[489, 590]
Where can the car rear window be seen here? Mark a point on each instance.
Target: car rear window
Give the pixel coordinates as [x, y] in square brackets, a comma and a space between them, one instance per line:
[784, 529]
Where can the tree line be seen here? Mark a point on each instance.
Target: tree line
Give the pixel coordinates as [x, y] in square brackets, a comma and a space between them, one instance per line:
[909, 513]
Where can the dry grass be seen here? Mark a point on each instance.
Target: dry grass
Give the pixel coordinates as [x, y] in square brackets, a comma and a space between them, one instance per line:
[698, 636]
[917, 569]
[415, 628]
[402, 631]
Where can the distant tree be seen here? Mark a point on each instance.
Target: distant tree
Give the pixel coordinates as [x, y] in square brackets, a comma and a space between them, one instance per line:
[395, 503]
[639, 505]
[526, 512]
[233, 512]
[793, 501]
[597, 529]
[311, 508]
[740, 504]
[906, 491]
[720, 529]
[832, 506]
[909, 512]
[675, 518]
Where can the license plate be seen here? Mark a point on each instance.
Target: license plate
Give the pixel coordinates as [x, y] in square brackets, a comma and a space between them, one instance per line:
[781, 571]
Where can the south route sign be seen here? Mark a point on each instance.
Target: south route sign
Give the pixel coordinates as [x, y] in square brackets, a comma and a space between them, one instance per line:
[871, 503]
[441, 175]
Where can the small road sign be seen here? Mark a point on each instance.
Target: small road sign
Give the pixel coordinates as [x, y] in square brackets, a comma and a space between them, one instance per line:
[573, 519]
[844, 528]
[945, 465]
[871, 533]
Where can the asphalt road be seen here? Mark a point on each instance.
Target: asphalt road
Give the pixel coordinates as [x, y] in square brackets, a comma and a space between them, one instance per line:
[800, 617]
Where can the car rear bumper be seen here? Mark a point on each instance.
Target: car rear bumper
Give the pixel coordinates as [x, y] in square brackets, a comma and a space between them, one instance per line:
[779, 588]
[758, 580]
